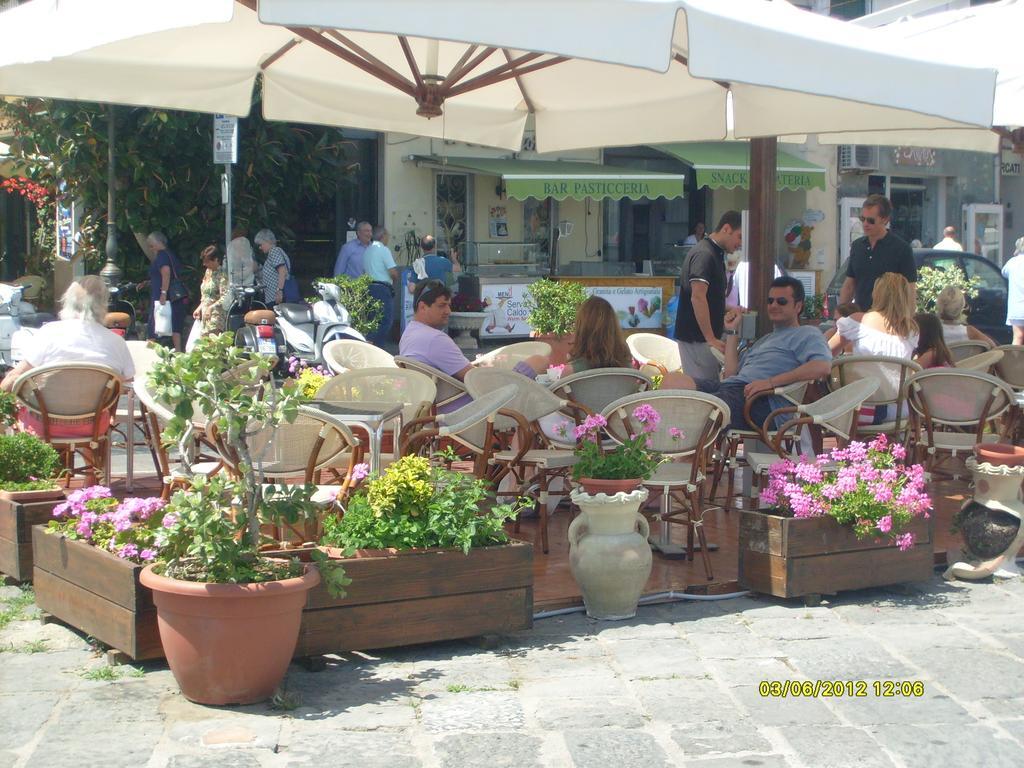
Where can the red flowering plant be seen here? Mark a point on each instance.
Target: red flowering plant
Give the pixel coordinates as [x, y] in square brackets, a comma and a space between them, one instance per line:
[36, 194]
[866, 486]
[463, 302]
[132, 529]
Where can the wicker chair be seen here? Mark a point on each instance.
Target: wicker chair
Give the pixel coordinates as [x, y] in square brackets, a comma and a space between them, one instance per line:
[728, 459]
[511, 354]
[985, 362]
[304, 448]
[71, 406]
[700, 417]
[835, 413]
[1011, 367]
[652, 349]
[532, 459]
[592, 391]
[130, 412]
[414, 390]
[891, 374]
[343, 355]
[967, 348]
[157, 415]
[952, 411]
[471, 426]
[449, 390]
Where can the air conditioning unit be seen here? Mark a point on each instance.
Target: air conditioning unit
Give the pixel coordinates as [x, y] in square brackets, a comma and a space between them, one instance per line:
[858, 158]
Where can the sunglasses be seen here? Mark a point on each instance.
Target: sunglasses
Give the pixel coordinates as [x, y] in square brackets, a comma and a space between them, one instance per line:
[780, 300]
[868, 219]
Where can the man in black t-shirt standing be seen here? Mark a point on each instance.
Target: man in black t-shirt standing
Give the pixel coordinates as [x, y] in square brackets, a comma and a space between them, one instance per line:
[700, 317]
[878, 252]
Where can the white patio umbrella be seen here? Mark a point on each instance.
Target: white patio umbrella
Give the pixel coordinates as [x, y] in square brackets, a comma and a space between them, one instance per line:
[594, 73]
[982, 35]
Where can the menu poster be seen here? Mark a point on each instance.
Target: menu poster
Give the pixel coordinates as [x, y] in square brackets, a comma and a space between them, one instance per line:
[498, 221]
[638, 306]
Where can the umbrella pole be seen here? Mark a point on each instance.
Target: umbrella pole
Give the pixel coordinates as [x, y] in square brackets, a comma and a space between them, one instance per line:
[225, 189]
[761, 249]
[111, 273]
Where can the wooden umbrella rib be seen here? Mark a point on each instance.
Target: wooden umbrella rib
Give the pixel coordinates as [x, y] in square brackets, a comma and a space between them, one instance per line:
[501, 74]
[385, 73]
[413, 67]
[457, 74]
[279, 53]
[519, 83]
[686, 63]
[365, 54]
[456, 71]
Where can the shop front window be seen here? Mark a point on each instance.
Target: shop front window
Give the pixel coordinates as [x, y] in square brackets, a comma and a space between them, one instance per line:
[452, 205]
[907, 197]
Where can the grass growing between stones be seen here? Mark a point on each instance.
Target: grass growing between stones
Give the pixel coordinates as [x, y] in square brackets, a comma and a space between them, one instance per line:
[13, 609]
[107, 673]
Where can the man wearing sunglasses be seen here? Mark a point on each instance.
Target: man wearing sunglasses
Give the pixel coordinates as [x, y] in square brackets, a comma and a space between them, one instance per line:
[425, 340]
[878, 252]
[790, 353]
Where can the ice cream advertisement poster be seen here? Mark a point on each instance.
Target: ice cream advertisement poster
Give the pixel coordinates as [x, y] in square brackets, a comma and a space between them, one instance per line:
[505, 305]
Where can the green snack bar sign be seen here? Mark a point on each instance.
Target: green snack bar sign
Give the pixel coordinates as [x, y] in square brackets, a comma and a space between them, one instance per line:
[730, 178]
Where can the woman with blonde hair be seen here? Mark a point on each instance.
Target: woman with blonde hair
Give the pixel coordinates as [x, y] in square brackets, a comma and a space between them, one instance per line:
[598, 341]
[949, 306]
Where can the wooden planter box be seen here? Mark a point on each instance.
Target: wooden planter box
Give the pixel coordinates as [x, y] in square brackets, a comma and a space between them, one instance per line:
[402, 598]
[788, 557]
[17, 516]
[96, 592]
[394, 598]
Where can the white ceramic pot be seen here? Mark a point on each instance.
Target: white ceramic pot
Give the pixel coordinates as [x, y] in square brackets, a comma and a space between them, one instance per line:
[465, 323]
[608, 552]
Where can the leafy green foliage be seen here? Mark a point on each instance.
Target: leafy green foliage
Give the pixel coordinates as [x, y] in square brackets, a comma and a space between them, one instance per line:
[13, 609]
[931, 281]
[282, 167]
[814, 306]
[553, 305]
[416, 505]
[25, 458]
[364, 311]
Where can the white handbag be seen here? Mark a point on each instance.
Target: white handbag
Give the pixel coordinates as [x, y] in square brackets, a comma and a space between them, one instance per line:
[194, 334]
[162, 323]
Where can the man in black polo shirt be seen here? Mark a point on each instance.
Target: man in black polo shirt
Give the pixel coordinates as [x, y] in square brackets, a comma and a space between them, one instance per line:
[878, 252]
[701, 314]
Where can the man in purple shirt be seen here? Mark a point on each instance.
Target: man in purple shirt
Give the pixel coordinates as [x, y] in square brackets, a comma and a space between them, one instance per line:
[425, 340]
[350, 257]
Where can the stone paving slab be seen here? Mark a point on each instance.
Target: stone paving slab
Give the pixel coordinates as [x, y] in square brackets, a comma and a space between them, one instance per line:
[680, 685]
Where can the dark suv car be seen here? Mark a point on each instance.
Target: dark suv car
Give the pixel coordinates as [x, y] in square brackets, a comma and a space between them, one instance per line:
[986, 311]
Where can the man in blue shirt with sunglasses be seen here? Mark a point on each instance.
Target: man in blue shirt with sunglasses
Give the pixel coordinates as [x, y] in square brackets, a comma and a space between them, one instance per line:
[790, 353]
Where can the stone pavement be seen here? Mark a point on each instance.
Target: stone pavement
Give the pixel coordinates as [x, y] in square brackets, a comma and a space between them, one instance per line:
[677, 686]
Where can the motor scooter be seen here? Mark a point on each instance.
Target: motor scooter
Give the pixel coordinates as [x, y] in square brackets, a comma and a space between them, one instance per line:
[260, 333]
[18, 321]
[120, 317]
[308, 328]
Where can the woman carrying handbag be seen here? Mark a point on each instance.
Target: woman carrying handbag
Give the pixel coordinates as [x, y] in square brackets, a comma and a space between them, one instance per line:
[165, 287]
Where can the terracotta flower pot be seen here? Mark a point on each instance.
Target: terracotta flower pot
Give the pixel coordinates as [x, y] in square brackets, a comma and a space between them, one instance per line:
[594, 486]
[229, 643]
[1000, 454]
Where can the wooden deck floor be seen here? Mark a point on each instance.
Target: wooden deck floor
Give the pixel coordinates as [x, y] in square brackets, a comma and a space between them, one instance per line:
[554, 586]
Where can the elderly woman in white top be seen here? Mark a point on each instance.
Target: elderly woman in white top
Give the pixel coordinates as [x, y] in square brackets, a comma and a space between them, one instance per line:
[79, 336]
[949, 306]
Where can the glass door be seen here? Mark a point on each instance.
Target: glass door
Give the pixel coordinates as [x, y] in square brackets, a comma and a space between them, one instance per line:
[983, 231]
[907, 197]
[849, 225]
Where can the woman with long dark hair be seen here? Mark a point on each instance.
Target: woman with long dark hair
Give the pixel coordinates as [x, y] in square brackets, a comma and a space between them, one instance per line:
[598, 341]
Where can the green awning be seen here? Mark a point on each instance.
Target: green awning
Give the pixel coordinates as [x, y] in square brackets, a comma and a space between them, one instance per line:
[558, 179]
[726, 165]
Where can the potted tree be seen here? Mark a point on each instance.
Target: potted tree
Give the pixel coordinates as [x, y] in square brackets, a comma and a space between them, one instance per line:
[228, 615]
[364, 311]
[553, 306]
[852, 518]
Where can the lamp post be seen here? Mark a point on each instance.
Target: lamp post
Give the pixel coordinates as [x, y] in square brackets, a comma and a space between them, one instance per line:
[111, 273]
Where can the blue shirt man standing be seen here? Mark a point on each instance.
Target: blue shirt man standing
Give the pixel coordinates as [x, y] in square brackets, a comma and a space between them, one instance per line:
[350, 257]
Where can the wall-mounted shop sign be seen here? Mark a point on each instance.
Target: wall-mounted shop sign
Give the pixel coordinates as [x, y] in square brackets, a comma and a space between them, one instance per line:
[920, 157]
[1011, 163]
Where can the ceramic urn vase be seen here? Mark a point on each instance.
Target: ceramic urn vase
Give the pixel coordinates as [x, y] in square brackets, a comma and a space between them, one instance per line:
[608, 552]
[991, 522]
[464, 323]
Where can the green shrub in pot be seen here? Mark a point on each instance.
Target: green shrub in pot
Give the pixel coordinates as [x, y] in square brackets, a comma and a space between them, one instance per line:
[27, 463]
[553, 306]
